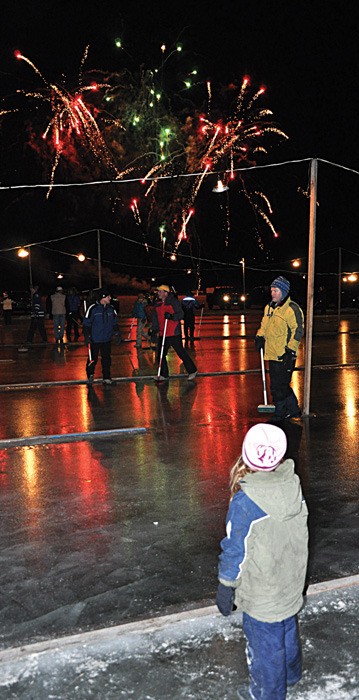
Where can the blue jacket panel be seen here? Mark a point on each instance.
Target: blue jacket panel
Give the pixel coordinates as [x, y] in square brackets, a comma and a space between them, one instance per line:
[100, 322]
[241, 516]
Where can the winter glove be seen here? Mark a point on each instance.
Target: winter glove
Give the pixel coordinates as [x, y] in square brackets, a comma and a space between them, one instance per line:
[287, 358]
[225, 599]
[168, 316]
[259, 342]
[117, 339]
[87, 338]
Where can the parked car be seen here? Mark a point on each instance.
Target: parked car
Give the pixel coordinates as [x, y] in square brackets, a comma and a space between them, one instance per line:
[227, 297]
[223, 297]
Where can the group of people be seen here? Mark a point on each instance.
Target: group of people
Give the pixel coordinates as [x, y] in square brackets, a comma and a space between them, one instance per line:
[61, 307]
[278, 337]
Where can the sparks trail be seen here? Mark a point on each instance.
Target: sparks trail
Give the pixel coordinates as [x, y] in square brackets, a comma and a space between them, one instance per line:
[72, 123]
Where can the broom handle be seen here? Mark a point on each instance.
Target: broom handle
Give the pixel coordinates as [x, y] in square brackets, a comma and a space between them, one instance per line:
[162, 346]
[264, 379]
[200, 323]
[129, 335]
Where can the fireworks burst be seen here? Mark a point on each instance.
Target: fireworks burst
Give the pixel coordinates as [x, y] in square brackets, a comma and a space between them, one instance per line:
[168, 144]
[198, 145]
[71, 121]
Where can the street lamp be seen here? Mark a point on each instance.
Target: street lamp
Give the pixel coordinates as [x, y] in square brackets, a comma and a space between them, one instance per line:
[243, 297]
[296, 263]
[25, 253]
[81, 257]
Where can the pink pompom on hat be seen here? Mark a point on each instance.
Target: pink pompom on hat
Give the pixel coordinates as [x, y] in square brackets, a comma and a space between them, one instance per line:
[264, 447]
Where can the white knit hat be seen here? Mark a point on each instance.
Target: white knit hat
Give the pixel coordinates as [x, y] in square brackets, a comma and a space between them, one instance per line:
[264, 446]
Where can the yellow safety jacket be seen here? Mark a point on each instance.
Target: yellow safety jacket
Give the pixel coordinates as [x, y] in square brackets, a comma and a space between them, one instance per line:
[282, 326]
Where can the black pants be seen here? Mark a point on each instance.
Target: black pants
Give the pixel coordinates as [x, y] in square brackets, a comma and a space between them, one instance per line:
[188, 325]
[36, 323]
[105, 350]
[7, 317]
[284, 398]
[174, 341]
[73, 322]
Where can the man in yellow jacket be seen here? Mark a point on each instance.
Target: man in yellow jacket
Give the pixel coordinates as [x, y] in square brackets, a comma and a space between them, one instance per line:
[280, 333]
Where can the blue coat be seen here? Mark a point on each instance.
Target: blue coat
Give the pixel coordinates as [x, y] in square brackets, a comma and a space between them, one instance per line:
[100, 323]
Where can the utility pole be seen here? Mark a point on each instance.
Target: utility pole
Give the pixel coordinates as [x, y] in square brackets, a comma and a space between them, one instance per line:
[339, 287]
[99, 258]
[30, 268]
[310, 291]
[244, 283]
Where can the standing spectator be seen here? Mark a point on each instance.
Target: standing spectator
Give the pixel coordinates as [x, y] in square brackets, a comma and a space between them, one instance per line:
[153, 335]
[99, 325]
[139, 312]
[74, 318]
[189, 306]
[58, 309]
[262, 567]
[7, 303]
[37, 315]
[322, 300]
[168, 307]
[280, 333]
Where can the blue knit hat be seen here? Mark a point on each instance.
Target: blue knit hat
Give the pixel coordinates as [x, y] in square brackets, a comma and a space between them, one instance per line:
[282, 284]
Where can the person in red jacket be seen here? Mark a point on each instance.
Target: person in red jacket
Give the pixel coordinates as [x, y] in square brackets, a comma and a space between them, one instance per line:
[169, 308]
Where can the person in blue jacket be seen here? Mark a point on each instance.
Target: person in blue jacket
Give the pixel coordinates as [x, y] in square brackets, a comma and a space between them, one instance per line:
[139, 312]
[262, 567]
[100, 323]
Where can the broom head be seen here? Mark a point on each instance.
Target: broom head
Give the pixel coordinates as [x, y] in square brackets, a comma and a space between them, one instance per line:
[266, 408]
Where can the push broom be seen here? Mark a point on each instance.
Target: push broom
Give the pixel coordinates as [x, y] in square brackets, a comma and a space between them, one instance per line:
[265, 407]
[128, 339]
[161, 353]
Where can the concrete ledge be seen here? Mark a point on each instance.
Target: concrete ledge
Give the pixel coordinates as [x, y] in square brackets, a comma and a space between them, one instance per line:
[67, 437]
[129, 633]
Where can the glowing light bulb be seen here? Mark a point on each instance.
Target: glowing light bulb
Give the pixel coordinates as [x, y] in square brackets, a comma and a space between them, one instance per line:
[22, 253]
[81, 257]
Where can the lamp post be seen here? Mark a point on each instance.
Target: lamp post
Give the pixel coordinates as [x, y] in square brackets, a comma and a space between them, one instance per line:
[25, 253]
[243, 283]
[99, 258]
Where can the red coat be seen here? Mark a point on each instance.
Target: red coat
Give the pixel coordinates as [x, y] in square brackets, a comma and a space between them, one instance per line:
[172, 306]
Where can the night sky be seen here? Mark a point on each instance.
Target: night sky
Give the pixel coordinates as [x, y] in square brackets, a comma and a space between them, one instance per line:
[305, 53]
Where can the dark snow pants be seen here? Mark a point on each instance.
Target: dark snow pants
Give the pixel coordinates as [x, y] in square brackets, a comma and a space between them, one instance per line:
[105, 350]
[273, 655]
[284, 398]
[174, 341]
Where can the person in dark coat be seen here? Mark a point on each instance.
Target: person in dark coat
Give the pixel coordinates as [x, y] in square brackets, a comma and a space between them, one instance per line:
[74, 318]
[189, 306]
[99, 325]
[37, 316]
[169, 308]
[139, 312]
